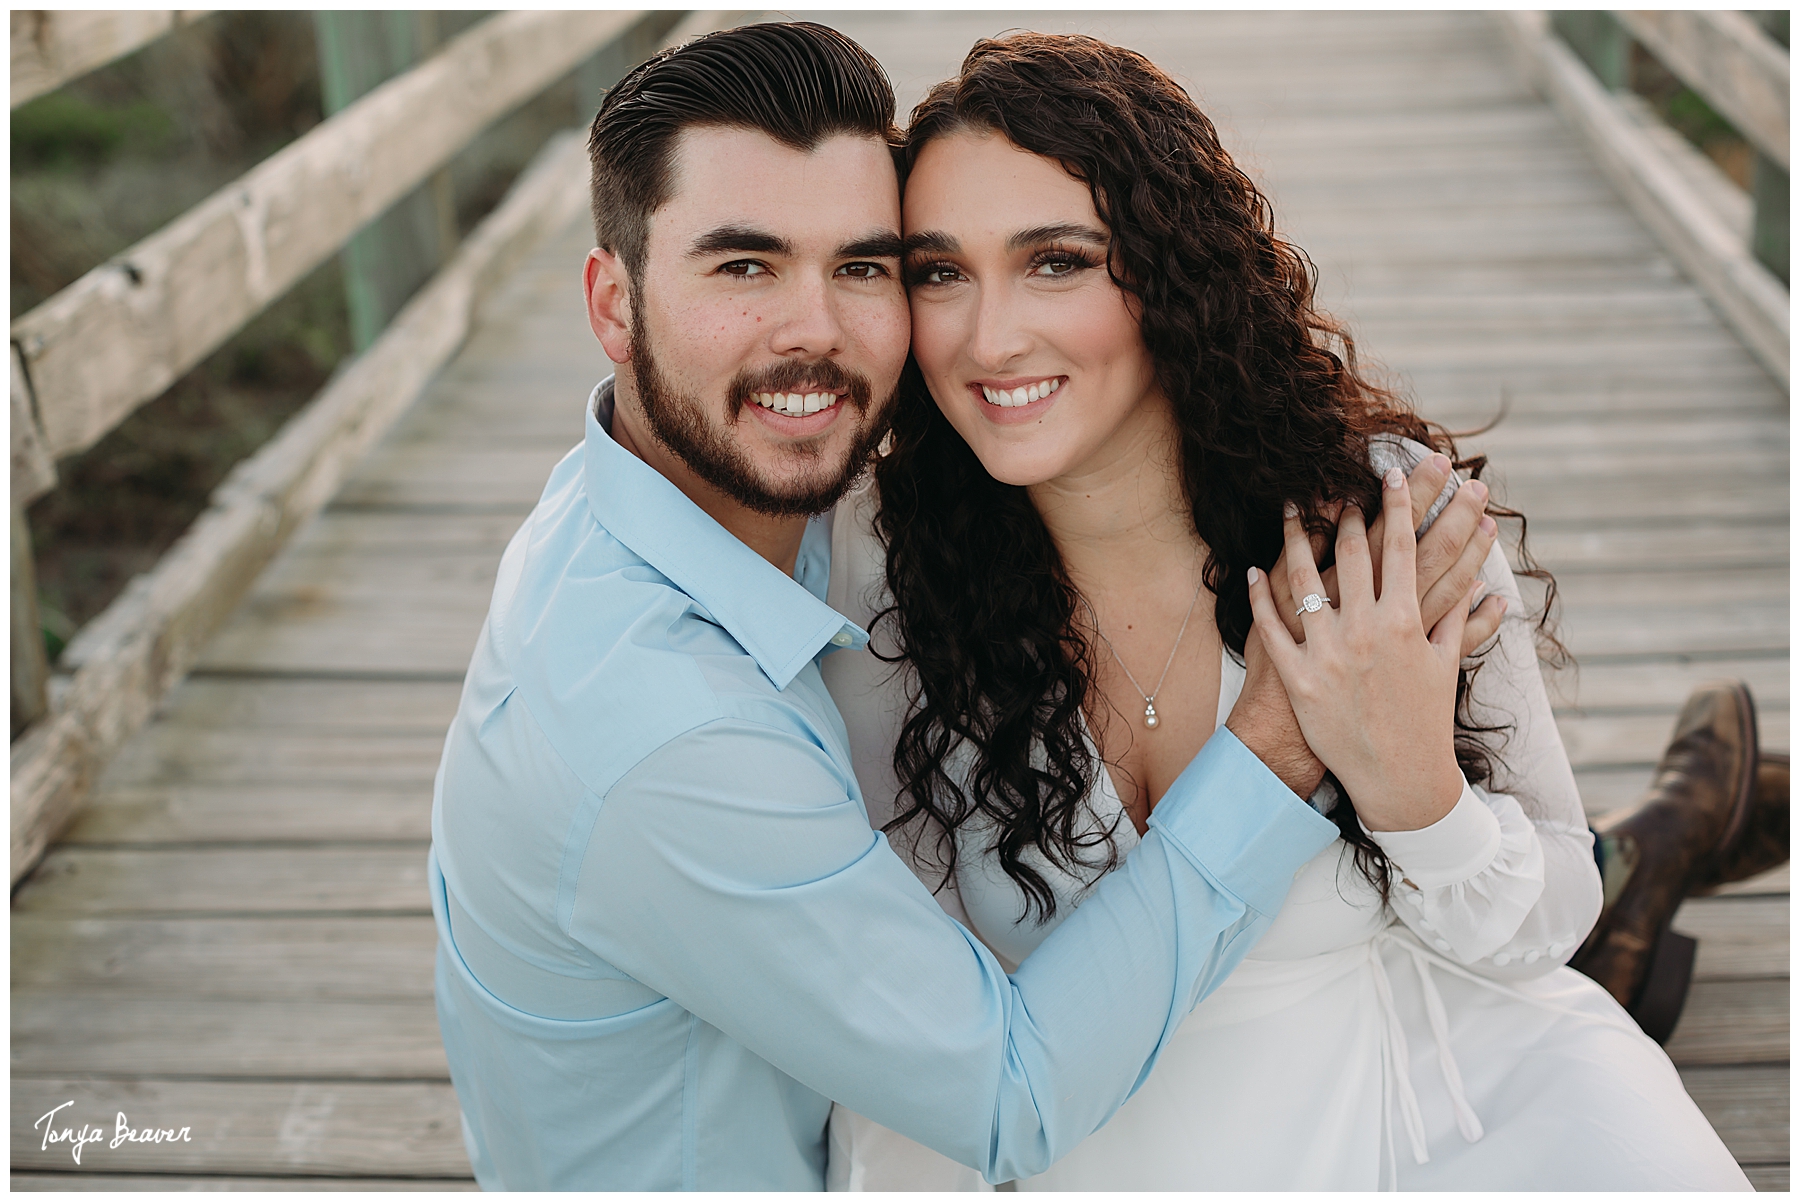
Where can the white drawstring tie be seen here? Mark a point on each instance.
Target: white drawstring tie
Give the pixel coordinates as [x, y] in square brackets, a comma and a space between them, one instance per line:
[1396, 1062]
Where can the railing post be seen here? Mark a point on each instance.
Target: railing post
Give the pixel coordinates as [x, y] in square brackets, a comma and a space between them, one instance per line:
[1769, 183]
[385, 263]
[1600, 41]
[30, 668]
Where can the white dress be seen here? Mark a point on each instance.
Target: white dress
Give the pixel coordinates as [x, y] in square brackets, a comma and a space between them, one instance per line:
[1434, 1043]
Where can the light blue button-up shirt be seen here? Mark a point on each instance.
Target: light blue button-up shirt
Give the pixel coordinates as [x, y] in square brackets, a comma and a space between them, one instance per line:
[668, 938]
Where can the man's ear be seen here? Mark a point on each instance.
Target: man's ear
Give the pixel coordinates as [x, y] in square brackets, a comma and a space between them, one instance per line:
[608, 289]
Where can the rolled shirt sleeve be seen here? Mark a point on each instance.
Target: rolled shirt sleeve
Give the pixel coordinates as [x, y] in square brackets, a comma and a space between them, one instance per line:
[734, 871]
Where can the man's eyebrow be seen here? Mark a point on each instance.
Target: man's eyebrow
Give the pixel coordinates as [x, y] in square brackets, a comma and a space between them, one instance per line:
[728, 238]
[931, 242]
[1065, 232]
[879, 244]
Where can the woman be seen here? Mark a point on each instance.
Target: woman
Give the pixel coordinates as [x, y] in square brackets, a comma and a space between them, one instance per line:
[1130, 384]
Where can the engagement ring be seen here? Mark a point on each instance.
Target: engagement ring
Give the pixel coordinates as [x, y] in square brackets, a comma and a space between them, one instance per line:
[1312, 603]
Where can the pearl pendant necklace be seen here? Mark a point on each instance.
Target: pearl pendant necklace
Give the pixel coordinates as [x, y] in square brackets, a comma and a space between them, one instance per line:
[1151, 719]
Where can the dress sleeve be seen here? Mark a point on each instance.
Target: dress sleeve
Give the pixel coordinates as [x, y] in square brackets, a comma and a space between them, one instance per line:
[1505, 883]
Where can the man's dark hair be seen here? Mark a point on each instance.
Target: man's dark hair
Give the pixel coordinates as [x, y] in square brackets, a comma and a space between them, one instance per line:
[798, 82]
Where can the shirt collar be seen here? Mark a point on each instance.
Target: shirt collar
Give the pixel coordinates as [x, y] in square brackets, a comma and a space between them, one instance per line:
[782, 621]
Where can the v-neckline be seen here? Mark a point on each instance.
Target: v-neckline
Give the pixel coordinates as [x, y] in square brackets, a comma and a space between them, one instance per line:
[1231, 684]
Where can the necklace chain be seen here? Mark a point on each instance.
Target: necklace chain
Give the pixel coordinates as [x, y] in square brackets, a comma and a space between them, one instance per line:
[1151, 719]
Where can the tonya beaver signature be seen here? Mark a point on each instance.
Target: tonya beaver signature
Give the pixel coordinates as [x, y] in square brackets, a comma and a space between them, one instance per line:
[123, 1133]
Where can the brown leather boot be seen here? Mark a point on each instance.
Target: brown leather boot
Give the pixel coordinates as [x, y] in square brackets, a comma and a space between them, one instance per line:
[1696, 811]
[1764, 844]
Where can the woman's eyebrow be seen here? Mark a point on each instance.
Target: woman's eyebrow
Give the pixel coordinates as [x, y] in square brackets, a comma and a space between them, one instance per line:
[933, 242]
[1064, 232]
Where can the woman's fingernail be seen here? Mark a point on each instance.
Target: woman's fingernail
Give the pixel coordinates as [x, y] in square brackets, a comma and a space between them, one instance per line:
[1441, 462]
[1480, 588]
[1489, 526]
[1395, 478]
[1290, 511]
[1254, 576]
[1503, 607]
[1479, 489]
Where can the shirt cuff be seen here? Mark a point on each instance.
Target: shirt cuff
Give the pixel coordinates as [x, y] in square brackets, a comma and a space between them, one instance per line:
[1234, 820]
[1450, 850]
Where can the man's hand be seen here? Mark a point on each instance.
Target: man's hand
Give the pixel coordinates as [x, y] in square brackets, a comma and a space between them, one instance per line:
[1448, 559]
[1263, 721]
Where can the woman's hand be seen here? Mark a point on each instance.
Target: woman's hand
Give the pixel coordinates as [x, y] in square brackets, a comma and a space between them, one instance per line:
[1373, 693]
[1449, 556]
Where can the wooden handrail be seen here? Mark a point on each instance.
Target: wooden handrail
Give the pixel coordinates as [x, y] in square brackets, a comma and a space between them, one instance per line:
[127, 330]
[1751, 300]
[49, 47]
[1736, 67]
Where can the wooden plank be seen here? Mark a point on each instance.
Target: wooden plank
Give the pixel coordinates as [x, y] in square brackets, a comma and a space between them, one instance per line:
[1771, 883]
[310, 758]
[343, 707]
[1740, 70]
[344, 1129]
[1665, 683]
[1621, 739]
[49, 48]
[66, 1182]
[253, 812]
[134, 651]
[1709, 630]
[1610, 788]
[1739, 936]
[128, 329]
[147, 1035]
[1733, 1022]
[1753, 301]
[283, 959]
[1747, 1105]
[1768, 1177]
[1590, 548]
[229, 881]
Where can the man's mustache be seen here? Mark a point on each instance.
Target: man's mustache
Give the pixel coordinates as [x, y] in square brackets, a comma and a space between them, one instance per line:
[822, 376]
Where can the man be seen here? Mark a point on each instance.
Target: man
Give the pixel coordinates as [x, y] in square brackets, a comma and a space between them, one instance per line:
[668, 937]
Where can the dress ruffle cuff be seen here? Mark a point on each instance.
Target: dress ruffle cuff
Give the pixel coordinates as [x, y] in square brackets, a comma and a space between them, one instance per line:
[1453, 849]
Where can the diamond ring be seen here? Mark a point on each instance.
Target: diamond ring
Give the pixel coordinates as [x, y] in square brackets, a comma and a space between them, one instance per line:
[1312, 603]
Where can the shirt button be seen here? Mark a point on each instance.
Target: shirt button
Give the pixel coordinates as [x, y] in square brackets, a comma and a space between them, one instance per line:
[1503, 959]
[841, 639]
[1417, 899]
[1443, 945]
[1531, 957]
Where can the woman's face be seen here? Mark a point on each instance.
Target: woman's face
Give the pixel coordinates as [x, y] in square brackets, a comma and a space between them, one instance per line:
[1029, 348]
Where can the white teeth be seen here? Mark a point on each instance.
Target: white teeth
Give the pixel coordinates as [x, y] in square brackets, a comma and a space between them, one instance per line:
[1014, 398]
[796, 404]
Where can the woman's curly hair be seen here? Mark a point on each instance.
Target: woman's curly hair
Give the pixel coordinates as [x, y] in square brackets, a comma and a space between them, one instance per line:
[1270, 408]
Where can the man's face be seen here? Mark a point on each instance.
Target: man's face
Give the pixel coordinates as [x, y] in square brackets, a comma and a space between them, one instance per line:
[770, 325]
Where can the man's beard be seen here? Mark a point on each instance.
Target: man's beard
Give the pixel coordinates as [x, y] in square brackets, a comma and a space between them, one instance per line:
[679, 423]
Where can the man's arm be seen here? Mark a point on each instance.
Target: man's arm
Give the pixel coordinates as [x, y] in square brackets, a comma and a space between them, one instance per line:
[732, 871]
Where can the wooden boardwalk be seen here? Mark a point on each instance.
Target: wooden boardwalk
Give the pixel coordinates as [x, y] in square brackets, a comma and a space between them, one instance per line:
[235, 936]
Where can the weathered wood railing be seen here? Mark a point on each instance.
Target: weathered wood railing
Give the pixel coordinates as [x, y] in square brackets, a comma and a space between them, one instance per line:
[51, 48]
[85, 359]
[1580, 59]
